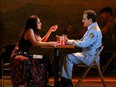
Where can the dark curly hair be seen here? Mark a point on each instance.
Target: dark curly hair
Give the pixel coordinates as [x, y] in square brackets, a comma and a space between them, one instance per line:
[31, 23]
[107, 10]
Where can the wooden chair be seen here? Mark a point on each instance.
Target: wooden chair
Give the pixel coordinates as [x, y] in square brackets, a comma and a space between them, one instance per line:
[94, 64]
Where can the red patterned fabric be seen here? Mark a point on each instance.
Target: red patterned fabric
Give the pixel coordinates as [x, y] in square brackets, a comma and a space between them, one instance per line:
[26, 69]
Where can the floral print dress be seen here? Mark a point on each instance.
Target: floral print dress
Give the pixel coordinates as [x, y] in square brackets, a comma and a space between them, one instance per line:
[24, 68]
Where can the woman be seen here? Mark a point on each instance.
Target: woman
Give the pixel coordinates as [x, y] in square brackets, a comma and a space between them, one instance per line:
[25, 69]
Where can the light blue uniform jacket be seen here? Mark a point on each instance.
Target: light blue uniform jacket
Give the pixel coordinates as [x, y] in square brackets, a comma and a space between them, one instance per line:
[89, 43]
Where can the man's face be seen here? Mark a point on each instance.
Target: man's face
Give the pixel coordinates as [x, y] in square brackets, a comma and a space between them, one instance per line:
[86, 22]
[104, 15]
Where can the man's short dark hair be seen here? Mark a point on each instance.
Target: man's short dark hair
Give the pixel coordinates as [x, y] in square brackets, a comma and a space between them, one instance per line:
[91, 15]
[107, 10]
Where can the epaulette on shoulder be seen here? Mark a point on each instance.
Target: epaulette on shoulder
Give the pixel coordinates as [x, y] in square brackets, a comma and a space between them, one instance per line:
[95, 28]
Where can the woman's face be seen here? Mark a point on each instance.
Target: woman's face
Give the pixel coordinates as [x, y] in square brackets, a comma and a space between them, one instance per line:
[38, 24]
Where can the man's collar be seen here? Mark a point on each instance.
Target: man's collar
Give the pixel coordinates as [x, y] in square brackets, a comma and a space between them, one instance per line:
[92, 25]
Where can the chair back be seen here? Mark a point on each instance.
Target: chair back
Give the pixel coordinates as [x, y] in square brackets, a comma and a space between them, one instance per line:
[98, 53]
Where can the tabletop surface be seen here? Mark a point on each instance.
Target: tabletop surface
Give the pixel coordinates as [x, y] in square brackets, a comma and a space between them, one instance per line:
[58, 46]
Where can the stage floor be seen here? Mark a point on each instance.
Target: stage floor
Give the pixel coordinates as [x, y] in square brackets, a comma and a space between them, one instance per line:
[91, 80]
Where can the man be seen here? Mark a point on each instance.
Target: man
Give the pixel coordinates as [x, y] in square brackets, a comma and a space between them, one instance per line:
[109, 35]
[90, 43]
[109, 30]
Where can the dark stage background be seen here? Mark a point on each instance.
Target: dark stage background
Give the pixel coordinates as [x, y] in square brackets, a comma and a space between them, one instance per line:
[13, 14]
